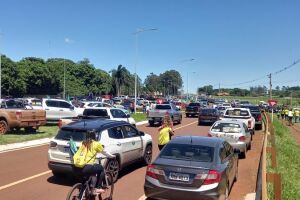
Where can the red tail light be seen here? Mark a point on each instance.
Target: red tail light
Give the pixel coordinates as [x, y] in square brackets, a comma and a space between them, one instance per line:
[59, 124]
[153, 172]
[19, 115]
[249, 123]
[213, 176]
[259, 117]
[242, 138]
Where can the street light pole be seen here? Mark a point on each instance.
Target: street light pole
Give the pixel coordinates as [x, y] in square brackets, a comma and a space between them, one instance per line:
[136, 62]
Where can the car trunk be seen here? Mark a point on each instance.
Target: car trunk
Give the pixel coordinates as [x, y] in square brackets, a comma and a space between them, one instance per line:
[188, 174]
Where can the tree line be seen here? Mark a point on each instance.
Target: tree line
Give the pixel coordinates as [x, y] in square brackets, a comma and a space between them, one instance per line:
[33, 76]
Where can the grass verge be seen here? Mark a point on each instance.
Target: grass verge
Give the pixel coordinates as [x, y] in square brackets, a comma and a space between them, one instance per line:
[288, 161]
[138, 117]
[22, 136]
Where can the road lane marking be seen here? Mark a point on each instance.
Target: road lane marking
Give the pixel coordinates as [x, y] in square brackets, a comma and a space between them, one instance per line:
[185, 125]
[144, 197]
[24, 180]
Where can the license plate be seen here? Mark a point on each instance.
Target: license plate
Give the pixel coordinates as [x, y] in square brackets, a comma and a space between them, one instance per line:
[179, 177]
[67, 149]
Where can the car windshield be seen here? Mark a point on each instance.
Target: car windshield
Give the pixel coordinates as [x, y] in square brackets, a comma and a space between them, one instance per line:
[163, 107]
[76, 135]
[189, 152]
[252, 108]
[226, 127]
[243, 113]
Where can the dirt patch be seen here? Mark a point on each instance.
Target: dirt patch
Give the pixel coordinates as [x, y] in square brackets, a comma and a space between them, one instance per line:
[295, 130]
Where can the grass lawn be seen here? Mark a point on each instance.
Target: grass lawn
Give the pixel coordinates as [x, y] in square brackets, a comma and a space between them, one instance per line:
[138, 117]
[22, 136]
[288, 161]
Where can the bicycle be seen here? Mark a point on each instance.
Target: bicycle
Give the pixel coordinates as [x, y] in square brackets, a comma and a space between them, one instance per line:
[84, 191]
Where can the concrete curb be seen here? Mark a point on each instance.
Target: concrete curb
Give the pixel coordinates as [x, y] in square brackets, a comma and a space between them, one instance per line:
[35, 143]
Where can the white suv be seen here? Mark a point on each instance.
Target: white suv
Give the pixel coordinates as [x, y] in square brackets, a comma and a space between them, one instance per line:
[118, 137]
[56, 109]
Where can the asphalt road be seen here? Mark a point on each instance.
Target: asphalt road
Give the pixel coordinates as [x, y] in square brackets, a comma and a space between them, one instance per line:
[25, 175]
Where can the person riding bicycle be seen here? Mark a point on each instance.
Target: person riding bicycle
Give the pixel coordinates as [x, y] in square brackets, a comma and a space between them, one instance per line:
[88, 151]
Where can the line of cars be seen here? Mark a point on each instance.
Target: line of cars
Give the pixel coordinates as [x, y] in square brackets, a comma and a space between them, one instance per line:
[194, 167]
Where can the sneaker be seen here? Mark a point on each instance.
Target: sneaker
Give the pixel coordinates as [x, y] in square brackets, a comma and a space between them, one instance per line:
[98, 191]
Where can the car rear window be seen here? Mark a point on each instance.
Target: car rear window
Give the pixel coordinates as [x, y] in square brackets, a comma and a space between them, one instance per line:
[189, 152]
[243, 113]
[77, 135]
[194, 104]
[206, 111]
[14, 104]
[226, 127]
[95, 112]
[252, 108]
[163, 107]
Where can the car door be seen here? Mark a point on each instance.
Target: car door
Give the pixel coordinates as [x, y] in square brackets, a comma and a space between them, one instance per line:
[125, 144]
[66, 110]
[136, 141]
[231, 161]
[52, 110]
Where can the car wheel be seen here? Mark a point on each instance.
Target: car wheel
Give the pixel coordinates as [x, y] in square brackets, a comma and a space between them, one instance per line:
[113, 166]
[249, 146]
[58, 174]
[3, 127]
[179, 120]
[236, 173]
[147, 155]
[151, 123]
[187, 115]
[243, 154]
[258, 127]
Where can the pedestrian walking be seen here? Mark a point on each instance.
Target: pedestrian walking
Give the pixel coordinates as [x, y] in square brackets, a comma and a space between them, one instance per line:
[290, 117]
[166, 132]
[286, 113]
[282, 113]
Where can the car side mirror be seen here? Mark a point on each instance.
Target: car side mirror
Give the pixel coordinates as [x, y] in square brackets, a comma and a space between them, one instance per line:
[236, 151]
[128, 116]
[142, 133]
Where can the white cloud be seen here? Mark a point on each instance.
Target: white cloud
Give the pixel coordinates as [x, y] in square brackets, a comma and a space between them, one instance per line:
[69, 41]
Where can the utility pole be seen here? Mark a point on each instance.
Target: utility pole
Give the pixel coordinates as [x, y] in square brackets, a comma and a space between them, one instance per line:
[270, 77]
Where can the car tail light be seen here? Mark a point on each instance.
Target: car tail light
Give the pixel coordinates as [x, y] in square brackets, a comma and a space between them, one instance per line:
[249, 123]
[59, 124]
[242, 138]
[259, 117]
[209, 135]
[53, 144]
[213, 176]
[153, 172]
[19, 115]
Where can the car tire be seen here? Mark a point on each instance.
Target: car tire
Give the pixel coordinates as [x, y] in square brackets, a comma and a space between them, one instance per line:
[151, 123]
[180, 120]
[249, 146]
[147, 157]
[236, 173]
[199, 123]
[225, 196]
[3, 127]
[258, 127]
[187, 115]
[58, 174]
[113, 166]
[243, 154]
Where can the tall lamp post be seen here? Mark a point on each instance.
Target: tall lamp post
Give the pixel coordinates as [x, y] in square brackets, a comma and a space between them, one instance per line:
[136, 33]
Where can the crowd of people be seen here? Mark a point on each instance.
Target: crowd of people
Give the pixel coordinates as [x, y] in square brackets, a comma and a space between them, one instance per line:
[289, 114]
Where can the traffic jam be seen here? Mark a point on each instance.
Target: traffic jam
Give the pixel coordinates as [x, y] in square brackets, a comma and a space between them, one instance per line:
[205, 149]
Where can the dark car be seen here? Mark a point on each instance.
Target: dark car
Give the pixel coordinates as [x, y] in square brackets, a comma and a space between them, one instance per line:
[192, 109]
[208, 115]
[256, 113]
[192, 167]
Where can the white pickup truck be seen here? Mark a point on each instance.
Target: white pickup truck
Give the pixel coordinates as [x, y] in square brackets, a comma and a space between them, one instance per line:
[157, 114]
[240, 114]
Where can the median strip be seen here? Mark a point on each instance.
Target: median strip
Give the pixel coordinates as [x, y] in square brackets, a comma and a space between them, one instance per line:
[24, 180]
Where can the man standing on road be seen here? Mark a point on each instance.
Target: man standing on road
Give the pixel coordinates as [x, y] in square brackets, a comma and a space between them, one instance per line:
[286, 113]
[282, 113]
[290, 117]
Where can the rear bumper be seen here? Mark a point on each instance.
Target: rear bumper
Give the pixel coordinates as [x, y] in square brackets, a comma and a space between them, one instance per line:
[153, 191]
[155, 119]
[62, 168]
[241, 146]
[191, 112]
[28, 124]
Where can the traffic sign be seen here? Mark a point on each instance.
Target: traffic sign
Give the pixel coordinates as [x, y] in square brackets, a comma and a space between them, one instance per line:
[272, 102]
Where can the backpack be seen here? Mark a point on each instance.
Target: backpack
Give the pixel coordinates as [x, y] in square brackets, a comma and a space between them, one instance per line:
[79, 158]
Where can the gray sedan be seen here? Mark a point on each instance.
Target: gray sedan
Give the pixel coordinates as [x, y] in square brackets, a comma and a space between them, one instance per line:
[192, 167]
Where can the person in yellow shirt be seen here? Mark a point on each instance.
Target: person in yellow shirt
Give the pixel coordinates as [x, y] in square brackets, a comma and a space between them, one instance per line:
[165, 132]
[296, 115]
[282, 113]
[286, 113]
[88, 151]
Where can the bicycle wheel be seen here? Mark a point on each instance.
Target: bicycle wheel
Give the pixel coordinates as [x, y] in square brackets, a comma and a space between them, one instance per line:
[108, 186]
[74, 193]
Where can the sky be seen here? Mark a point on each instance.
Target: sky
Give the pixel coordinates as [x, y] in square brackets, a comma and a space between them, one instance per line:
[212, 42]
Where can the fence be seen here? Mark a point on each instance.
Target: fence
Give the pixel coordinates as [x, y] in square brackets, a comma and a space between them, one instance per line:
[269, 147]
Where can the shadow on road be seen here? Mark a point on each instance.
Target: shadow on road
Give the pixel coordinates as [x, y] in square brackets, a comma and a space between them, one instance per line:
[129, 169]
[63, 180]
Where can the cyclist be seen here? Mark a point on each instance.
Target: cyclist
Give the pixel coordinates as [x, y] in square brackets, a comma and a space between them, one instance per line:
[87, 151]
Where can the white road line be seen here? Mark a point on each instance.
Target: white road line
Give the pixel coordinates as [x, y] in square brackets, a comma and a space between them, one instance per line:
[24, 180]
[144, 197]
